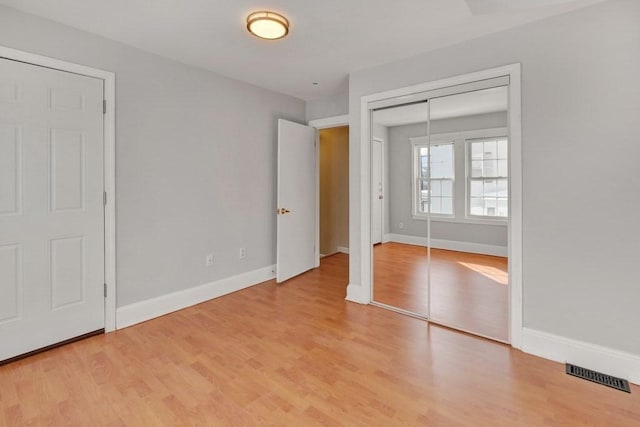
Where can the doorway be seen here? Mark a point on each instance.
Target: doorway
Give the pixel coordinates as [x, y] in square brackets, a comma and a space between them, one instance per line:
[57, 213]
[333, 166]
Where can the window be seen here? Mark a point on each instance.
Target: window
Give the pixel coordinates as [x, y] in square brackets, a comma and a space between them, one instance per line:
[440, 188]
[488, 186]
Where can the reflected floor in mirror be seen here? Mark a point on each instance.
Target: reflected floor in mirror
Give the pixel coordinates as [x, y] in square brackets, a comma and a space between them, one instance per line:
[468, 291]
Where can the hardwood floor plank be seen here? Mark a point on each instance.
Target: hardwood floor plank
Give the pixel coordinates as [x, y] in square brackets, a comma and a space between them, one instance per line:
[468, 291]
[299, 354]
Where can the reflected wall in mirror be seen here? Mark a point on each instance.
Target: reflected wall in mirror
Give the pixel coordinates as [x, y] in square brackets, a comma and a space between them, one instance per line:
[399, 269]
[469, 212]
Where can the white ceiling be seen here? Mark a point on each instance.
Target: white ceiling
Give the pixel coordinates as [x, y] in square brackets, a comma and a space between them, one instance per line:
[465, 104]
[328, 38]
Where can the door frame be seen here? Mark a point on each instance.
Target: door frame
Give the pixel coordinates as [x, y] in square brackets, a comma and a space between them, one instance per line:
[384, 183]
[319, 124]
[109, 160]
[362, 293]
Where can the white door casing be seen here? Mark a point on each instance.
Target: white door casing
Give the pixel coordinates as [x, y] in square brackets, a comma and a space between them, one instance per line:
[296, 200]
[52, 243]
[377, 193]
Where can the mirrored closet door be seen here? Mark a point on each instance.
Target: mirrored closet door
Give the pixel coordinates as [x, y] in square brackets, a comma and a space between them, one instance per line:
[468, 212]
[440, 208]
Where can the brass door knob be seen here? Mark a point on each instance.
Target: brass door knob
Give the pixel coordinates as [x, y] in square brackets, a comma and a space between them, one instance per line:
[282, 211]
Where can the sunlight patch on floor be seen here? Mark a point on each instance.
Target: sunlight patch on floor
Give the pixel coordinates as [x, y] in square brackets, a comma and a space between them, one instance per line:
[489, 272]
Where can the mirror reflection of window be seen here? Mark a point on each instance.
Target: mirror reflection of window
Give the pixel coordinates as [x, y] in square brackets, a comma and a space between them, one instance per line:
[489, 177]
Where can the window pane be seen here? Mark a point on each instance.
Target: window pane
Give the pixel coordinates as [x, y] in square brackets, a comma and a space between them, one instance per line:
[424, 206]
[488, 195]
[503, 208]
[477, 189]
[442, 161]
[490, 168]
[436, 170]
[477, 205]
[447, 205]
[490, 150]
[502, 188]
[502, 168]
[502, 149]
[476, 151]
[436, 188]
[424, 184]
[436, 206]
[447, 188]
[476, 168]
[490, 188]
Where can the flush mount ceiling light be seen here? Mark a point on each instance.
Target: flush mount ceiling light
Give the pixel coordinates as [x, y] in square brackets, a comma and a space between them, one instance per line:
[267, 25]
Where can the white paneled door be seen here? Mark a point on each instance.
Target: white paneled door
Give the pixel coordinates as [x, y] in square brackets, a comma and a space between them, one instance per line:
[296, 204]
[51, 207]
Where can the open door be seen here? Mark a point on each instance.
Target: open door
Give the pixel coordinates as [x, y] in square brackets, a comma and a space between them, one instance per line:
[296, 200]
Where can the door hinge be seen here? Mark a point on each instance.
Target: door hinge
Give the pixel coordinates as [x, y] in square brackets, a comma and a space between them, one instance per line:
[104, 198]
[104, 106]
[105, 290]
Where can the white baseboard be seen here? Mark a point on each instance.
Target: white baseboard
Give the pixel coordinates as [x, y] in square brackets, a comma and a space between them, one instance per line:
[452, 245]
[355, 294]
[343, 250]
[586, 355]
[386, 238]
[164, 304]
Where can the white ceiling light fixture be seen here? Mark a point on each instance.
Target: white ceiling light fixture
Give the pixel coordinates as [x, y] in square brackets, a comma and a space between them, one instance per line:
[268, 25]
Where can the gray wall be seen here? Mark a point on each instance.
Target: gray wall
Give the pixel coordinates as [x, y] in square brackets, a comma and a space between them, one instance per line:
[329, 106]
[400, 182]
[580, 99]
[196, 160]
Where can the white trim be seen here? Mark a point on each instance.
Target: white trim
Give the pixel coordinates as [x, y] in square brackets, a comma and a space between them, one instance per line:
[354, 294]
[455, 220]
[316, 244]
[515, 196]
[465, 134]
[109, 164]
[386, 238]
[451, 245]
[343, 250]
[514, 120]
[590, 356]
[149, 309]
[330, 122]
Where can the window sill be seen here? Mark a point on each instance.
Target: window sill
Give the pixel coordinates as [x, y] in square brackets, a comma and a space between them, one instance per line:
[477, 221]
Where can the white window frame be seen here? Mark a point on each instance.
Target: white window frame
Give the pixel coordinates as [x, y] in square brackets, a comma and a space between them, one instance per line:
[468, 164]
[421, 142]
[460, 207]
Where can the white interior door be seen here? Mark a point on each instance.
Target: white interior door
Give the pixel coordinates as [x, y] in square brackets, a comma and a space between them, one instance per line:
[297, 202]
[377, 194]
[51, 207]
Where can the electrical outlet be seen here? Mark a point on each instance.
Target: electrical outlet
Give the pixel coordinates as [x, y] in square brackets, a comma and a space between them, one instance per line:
[401, 226]
[209, 260]
[243, 253]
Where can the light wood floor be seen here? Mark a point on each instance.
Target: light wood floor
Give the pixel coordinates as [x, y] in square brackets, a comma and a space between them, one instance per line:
[468, 291]
[298, 354]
